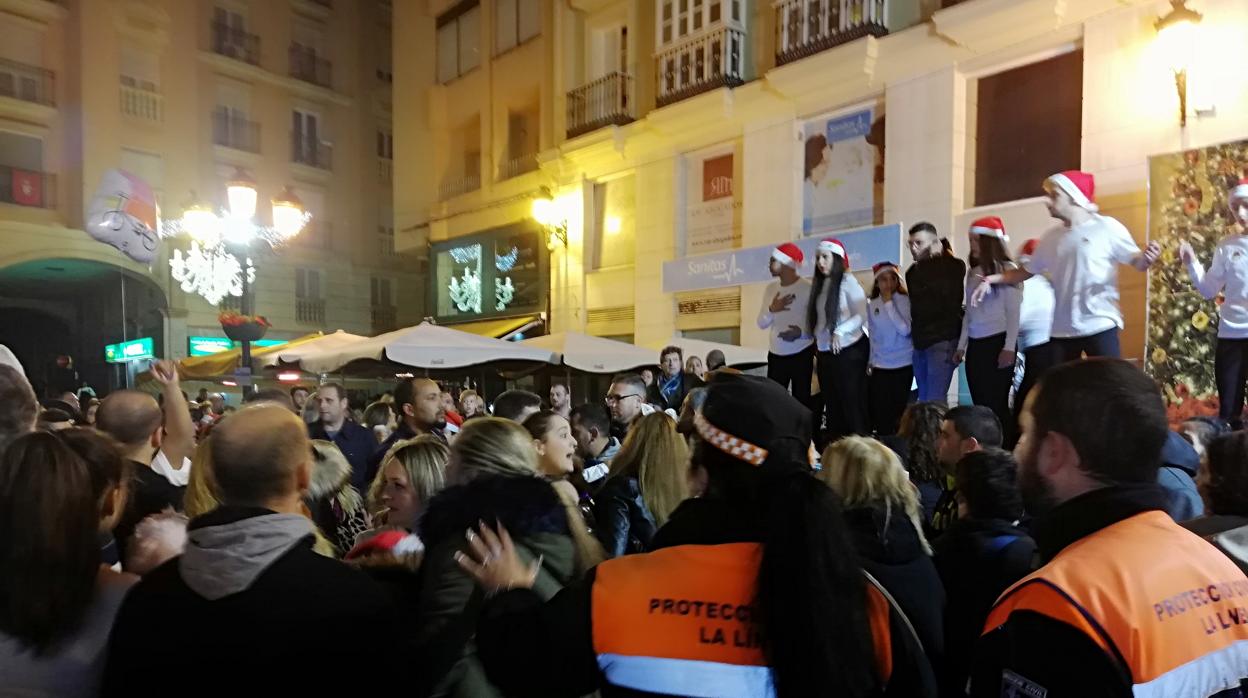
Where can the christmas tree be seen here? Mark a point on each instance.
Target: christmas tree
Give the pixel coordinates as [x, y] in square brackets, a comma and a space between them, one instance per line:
[1189, 204]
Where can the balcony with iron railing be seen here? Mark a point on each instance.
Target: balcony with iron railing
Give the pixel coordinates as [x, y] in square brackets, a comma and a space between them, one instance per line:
[142, 103]
[307, 66]
[806, 27]
[233, 131]
[385, 318]
[700, 63]
[454, 186]
[313, 152]
[27, 187]
[29, 83]
[310, 311]
[514, 167]
[235, 43]
[606, 101]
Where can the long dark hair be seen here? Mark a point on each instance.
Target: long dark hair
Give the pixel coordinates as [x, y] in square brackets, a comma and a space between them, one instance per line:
[51, 490]
[993, 258]
[920, 427]
[834, 294]
[814, 153]
[901, 284]
[811, 598]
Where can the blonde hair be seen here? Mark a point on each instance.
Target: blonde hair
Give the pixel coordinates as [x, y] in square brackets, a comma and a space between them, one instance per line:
[423, 459]
[491, 445]
[201, 490]
[866, 473]
[659, 458]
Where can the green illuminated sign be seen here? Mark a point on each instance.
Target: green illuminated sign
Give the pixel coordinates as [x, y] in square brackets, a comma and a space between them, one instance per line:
[129, 351]
[203, 346]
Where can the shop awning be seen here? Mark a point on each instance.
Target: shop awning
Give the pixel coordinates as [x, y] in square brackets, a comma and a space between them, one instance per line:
[499, 328]
[226, 362]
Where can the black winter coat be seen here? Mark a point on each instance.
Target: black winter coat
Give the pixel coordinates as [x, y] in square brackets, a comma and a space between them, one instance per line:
[623, 522]
[449, 599]
[976, 560]
[892, 552]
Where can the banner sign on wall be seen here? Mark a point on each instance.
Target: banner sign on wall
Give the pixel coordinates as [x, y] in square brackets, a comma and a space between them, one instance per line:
[838, 173]
[710, 222]
[865, 246]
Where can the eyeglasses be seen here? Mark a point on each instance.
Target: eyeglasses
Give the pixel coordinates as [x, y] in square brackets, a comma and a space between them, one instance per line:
[612, 399]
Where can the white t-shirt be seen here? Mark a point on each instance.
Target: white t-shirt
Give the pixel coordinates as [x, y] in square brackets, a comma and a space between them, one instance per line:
[1227, 273]
[1035, 320]
[178, 478]
[889, 326]
[781, 321]
[1082, 264]
[851, 315]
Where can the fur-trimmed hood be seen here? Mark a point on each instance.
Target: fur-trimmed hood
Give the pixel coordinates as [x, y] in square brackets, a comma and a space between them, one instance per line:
[524, 504]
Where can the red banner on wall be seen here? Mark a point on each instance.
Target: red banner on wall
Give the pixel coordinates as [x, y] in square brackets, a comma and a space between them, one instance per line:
[27, 188]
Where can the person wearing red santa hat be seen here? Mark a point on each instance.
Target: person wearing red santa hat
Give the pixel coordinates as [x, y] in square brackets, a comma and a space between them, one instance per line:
[791, 354]
[989, 337]
[1228, 274]
[1081, 257]
[892, 352]
[836, 317]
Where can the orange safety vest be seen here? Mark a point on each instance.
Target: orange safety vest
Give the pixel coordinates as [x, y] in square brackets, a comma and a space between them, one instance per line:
[1166, 605]
[679, 621]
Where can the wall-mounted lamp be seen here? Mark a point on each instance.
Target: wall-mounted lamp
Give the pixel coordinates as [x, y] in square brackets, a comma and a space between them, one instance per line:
[547, 214]
[1176, 34]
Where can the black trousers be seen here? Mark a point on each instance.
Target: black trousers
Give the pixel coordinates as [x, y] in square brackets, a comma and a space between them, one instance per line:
[1230, 370]
[888, 393]
[843, 383]
[793, 372]
[1099, 344]
[1036, 360]
[990, 386]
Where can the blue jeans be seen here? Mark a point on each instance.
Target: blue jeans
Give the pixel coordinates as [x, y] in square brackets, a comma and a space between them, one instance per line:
[933, 370]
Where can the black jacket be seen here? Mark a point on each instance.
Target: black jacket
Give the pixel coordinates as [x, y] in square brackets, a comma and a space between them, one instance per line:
[892, 551]
[936, 293]
[450, 600]
[402, 433]
[356, 443]
[977, 560]
[1048, 653]
[546, 649]
[688, 382]
[307, 624]
[150, 493]
[623, 522]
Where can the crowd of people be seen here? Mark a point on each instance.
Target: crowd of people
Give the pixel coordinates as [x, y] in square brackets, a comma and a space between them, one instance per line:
[693, 532]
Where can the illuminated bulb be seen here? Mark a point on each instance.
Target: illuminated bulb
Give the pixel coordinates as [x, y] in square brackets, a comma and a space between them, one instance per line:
[613, 225]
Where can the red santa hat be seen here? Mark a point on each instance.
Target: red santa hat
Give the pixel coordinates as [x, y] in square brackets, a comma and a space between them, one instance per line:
[836, 247]
[884, 268]
[1081, 187]
[789, 255]
[1028, 249]
[1239, 191]
[990, 226]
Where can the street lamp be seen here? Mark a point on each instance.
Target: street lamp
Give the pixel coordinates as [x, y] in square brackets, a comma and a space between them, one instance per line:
[547, 214]
[218, 262]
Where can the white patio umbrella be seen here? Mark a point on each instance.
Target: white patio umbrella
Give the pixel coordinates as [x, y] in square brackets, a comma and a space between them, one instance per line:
[330, 342]
[737, 357]
[585, 352]
[426, 346]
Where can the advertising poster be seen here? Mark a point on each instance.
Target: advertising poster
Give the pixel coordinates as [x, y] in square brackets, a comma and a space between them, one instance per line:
[1187, 202]
[839, 160]
[711, 203]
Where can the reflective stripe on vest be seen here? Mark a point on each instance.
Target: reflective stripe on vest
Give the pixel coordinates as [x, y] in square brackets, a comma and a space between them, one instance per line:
[1168, 607]
[680, 621]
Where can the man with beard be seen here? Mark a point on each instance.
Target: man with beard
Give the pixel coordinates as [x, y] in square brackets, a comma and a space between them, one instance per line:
[1127, 601]
[419, 404]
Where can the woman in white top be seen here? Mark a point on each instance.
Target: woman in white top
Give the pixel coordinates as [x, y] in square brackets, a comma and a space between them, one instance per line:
[58, 493]
[1228, 274]
[892, 352]
[836, 318]
[990, 329]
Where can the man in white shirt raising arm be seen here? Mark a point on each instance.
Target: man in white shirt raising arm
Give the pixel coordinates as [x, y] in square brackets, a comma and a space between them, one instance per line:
[1081, 258]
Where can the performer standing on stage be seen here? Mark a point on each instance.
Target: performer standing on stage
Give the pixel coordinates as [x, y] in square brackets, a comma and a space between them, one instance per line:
[1228, 273]
[836, 317]
[1081, 257]
[1035, 322]
[791, 355]
[892, 352]
[936, 294]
